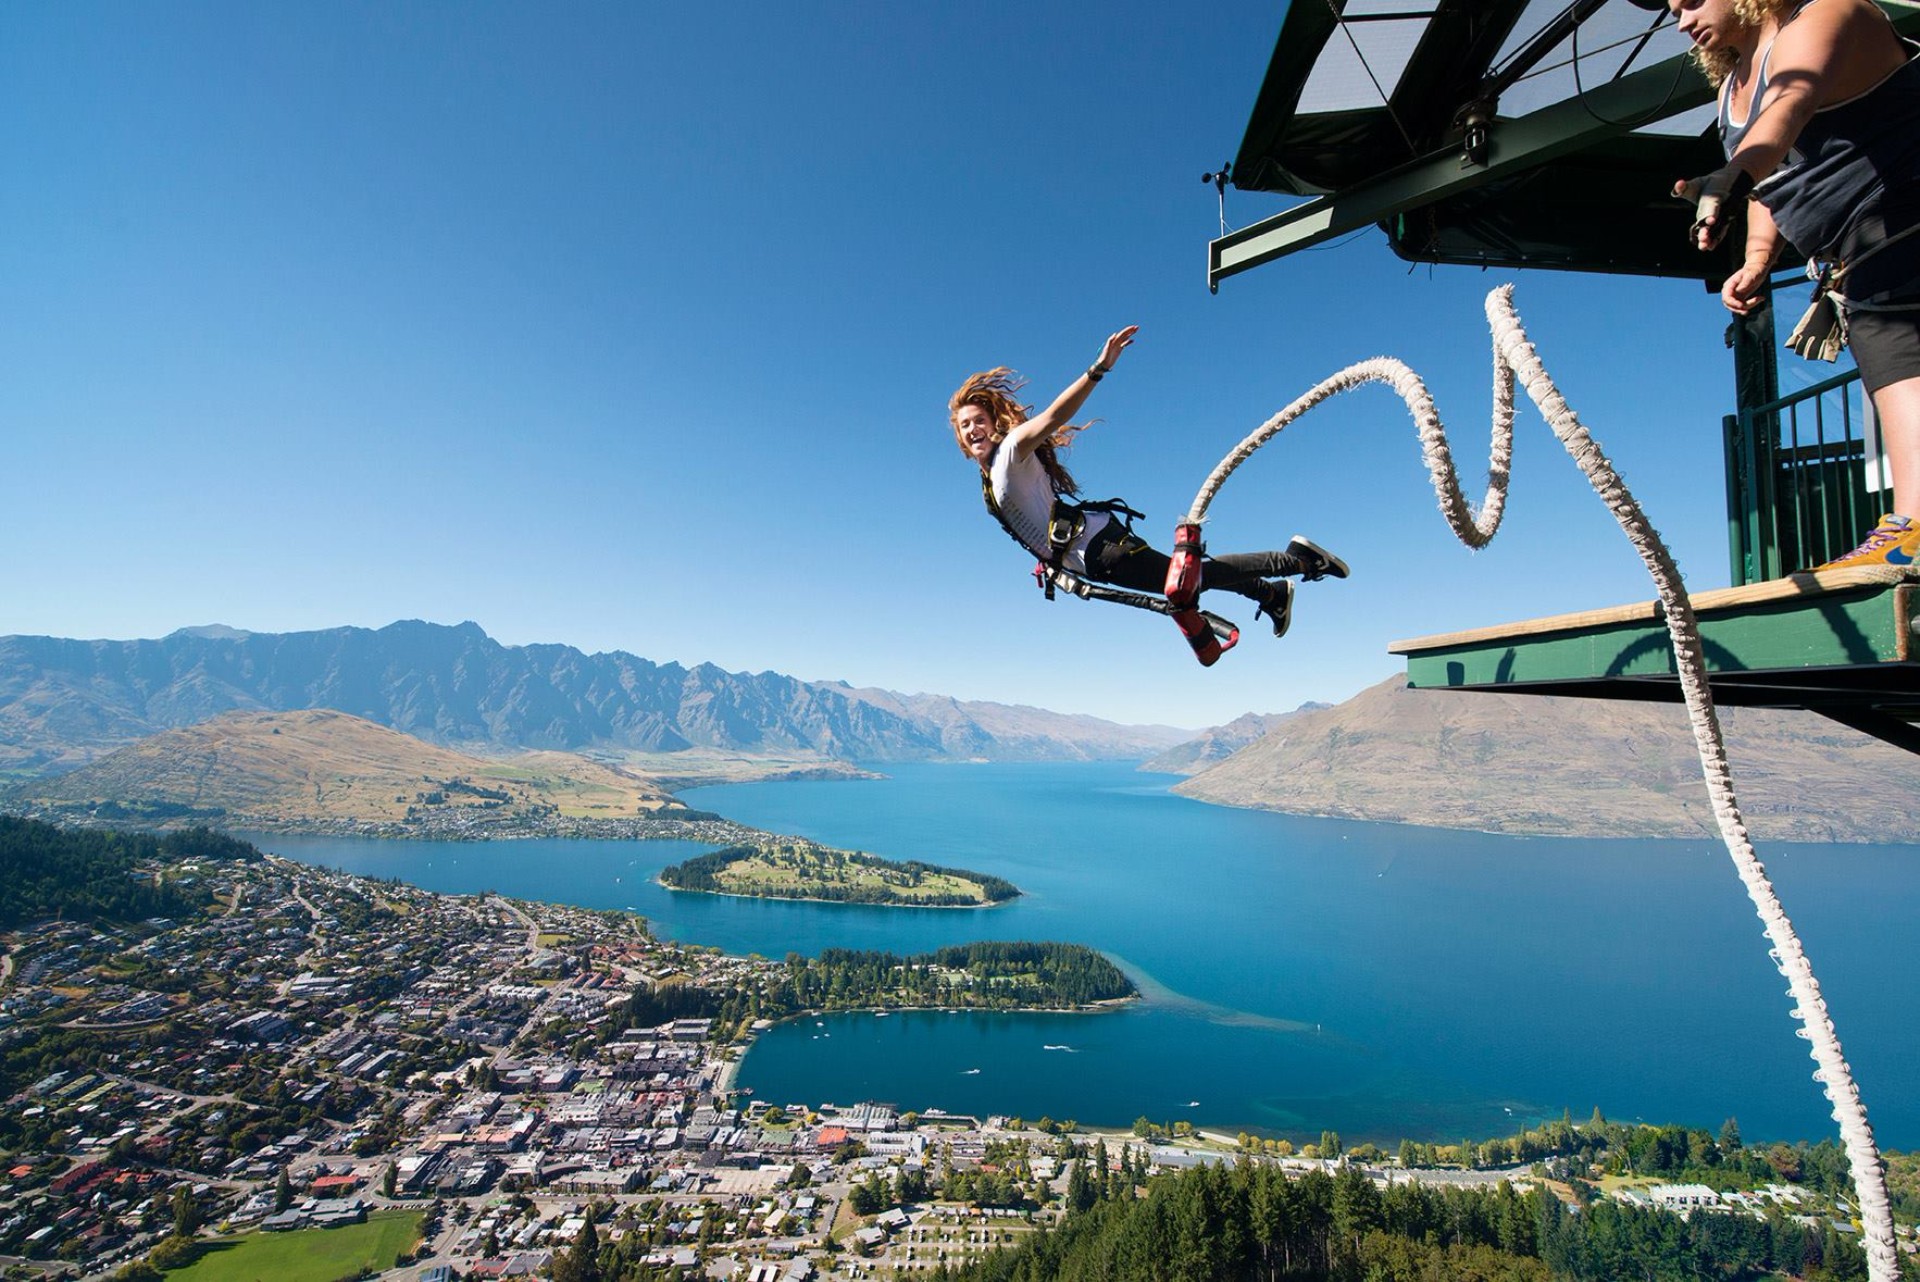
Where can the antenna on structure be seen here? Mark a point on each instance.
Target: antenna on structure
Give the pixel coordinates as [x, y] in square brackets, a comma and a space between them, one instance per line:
[1219, 178]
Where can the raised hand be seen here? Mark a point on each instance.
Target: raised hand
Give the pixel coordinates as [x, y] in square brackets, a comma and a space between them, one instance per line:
[1116, 344]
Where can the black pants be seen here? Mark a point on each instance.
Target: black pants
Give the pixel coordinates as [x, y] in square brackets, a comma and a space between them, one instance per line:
[1119, 556]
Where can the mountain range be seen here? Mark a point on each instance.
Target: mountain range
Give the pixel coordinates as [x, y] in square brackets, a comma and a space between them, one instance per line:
[1502, 763]
[317, 767]
[1216, 743]
[1581, 767]
[66, 702]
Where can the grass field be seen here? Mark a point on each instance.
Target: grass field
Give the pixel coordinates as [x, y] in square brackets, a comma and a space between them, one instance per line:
[310, 1255]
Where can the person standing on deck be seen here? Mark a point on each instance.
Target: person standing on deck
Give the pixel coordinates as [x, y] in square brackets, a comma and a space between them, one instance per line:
[1820, 119]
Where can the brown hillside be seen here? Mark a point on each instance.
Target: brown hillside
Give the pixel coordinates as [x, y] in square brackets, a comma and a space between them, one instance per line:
[320, 765]
[1587, 767]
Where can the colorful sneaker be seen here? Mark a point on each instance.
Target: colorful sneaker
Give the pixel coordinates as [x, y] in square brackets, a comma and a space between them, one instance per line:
[1895, 541]
[1315, 561]
[1278, 606]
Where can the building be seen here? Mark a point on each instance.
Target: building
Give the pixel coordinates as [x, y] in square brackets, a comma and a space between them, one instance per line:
[1683, 1198]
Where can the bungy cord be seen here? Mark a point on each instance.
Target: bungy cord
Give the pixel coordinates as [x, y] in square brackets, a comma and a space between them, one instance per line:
[1514, 356]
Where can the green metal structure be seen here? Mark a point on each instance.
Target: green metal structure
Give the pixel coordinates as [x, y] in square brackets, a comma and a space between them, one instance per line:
[1523, 133]
[1840, 643]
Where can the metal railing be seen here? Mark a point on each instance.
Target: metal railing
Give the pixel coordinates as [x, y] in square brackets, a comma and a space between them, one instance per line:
[1797, 485]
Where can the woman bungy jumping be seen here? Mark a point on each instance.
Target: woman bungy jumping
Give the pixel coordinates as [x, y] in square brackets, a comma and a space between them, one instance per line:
[1032, 494]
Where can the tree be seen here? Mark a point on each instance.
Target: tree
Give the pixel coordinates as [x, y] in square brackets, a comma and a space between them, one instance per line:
[582, 1263]
[282, 1191]
[1080, 1191]
[869, 1197]
[387, 1179]
[1355, 1213]
[186, 1212]
[1730, 1137]
[175, 1252]
[1330, 1144]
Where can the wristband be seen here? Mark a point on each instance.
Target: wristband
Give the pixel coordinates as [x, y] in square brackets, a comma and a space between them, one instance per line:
[1095, 373]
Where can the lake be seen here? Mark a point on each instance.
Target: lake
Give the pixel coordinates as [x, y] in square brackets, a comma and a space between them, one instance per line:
[1301, 974]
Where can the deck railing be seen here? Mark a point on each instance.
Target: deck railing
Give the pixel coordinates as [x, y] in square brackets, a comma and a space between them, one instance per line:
[1797, 483]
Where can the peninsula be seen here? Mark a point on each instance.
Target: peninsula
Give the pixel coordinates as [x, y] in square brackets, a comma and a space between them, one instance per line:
[786, 868]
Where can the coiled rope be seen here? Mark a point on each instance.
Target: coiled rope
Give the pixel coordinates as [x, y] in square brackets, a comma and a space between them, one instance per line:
[1514, 356]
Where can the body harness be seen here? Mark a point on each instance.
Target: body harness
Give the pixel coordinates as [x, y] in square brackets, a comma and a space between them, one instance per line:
[1822, 330]
[1208, 634]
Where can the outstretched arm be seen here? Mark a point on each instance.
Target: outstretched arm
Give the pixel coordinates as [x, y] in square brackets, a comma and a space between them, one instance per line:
[1049, 423]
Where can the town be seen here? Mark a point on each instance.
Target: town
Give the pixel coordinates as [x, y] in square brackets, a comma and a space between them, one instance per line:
[323, 1049]
[475, 1084]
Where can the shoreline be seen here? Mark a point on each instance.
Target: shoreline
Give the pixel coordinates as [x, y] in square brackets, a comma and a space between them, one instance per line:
[716, 831]
[730, 1073]
[842, 903]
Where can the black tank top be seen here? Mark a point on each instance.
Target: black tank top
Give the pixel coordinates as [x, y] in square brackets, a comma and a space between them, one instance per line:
[1848, 154]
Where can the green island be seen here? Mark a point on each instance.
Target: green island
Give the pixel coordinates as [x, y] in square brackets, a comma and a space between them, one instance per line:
[988, 975]
[789, 869]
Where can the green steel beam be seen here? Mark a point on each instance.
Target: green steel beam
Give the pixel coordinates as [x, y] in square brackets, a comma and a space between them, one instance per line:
[1513, 146]
[1840, 631]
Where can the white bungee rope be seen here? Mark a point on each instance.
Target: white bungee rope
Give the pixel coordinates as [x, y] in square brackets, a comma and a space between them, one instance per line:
[1514, 356]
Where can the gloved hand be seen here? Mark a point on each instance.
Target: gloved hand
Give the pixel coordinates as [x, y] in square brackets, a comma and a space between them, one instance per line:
[1711, 195]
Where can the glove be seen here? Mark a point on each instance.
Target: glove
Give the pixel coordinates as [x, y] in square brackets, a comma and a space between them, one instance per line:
[1710, 194]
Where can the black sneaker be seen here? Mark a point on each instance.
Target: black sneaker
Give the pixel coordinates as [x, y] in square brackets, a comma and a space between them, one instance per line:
[1315, 561]
[1278, 607]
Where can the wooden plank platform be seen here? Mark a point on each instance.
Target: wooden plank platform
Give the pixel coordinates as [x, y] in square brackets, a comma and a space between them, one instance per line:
[1837, 642]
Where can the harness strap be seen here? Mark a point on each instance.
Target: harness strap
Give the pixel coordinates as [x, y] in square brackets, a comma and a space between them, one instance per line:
[1208, 634]
[1822, 330]
[1114, 507]
[1835, 274]
[1064, 526]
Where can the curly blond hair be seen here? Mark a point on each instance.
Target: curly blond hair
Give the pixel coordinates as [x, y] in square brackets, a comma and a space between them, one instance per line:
[997, 392]
[1718, 64]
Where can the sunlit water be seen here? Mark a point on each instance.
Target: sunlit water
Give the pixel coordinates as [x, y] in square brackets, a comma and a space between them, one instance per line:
[1301, 974]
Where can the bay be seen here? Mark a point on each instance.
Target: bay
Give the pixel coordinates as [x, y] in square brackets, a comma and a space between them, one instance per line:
[1301, 974]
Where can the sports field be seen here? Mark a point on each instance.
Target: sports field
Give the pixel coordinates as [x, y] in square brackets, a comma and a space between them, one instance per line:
[308, 1255]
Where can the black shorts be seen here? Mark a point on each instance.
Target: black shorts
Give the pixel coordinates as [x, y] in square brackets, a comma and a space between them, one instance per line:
[1885, 343]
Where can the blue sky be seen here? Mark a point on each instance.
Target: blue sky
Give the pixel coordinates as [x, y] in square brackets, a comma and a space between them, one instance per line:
[631, 326]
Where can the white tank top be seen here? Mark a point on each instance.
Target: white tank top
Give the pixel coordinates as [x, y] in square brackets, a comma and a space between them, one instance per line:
[1024, 494]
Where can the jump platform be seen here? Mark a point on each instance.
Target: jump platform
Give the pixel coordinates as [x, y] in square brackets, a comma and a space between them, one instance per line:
[1837, 642]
